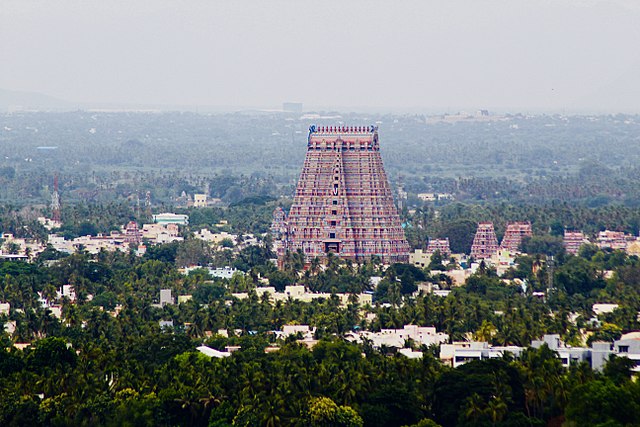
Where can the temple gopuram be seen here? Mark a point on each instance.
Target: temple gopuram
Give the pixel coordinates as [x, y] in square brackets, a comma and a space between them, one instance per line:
[343, 202]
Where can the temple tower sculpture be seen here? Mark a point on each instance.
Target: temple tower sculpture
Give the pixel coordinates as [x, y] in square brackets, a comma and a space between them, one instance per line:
[343, 202]
[514, 234]
[572, 241]
[485, 243]
[441, 245]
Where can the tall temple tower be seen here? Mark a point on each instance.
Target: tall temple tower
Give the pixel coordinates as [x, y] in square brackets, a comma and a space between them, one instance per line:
[573, 240]
[485, 243]
[514, 234]
[343, 202]
[441, 245]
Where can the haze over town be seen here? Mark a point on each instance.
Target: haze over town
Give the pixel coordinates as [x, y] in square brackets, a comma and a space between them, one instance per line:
[516, 56]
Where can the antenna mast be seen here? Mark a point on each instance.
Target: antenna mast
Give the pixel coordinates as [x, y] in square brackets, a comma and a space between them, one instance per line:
[55, 201]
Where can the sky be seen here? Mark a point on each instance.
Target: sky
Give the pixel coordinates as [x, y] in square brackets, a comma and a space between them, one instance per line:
[509, 55]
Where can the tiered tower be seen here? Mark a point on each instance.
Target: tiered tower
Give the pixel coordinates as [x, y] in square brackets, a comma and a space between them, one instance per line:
[485, 243]
[612, 239]
[132, 233]
[441, 245]
[279, 232]
[343, 202]
[514, 234]
[573, 240]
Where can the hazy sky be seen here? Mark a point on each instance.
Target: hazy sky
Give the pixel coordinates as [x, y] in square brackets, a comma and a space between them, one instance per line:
[560, 55]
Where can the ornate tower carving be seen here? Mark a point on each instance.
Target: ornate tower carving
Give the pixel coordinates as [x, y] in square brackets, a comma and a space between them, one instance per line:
[485, 242]
[514, 234]
[343, 202]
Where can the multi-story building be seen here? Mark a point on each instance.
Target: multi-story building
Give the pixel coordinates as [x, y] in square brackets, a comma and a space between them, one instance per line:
[459, 353]
[596, 356]
[421, 335]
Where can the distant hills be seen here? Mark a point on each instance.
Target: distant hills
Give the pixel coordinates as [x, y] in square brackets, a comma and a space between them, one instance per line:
[14, 100]
[11, 100]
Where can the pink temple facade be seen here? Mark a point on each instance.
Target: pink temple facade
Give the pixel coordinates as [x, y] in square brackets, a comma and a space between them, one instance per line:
[514, 234]
[613, 240]
[572, 241]
[132, 233]
[441, 245]
[485, 243]
[343, 202]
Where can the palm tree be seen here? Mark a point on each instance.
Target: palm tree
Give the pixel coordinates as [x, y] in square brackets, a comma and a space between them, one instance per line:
[474, 407]
[486, 331]
[496, 409]
[314, 267]
[70, 313]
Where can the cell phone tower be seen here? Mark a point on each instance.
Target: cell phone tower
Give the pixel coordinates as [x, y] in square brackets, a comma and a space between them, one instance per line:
[56, 207]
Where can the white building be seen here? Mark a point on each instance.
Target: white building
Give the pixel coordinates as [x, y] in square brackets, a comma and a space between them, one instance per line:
[374, 281]
[287, 330]
[216, 238]
[299, 293]
[599, 309]
[171, 218]
[427, 197]
[199, 200]
[421, 335]
[212, 352]
[568, 355]
[24, 247]
[49, 223]
[459, 353]
[161, 233]
[419, 258]
[66, 291]
[165, 297]
[221, 273]
[224, 273]
[502, 260]
[91, 244]
[295, 329]
[627, 346]
[410, 353]
[56, 311]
